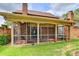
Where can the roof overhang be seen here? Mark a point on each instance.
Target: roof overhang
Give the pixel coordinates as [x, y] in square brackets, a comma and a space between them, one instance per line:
[36, 19]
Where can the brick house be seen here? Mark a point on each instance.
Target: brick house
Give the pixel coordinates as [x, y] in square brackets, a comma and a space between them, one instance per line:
[34, 27]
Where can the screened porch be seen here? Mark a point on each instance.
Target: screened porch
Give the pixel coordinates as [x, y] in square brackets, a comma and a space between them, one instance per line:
[25, 33]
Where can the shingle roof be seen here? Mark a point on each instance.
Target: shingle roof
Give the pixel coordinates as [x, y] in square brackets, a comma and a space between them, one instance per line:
[37, 13]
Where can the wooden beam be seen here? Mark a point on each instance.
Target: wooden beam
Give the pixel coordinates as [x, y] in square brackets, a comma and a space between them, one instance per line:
[23, 18]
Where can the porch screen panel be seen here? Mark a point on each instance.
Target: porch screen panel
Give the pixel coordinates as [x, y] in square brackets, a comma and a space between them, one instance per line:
[23, 33]
[16, 29]
[51, 32]
[23, 28]
[43, 34]
[61, 33]
[28, 32]
[20, 33]
[47, 31]
[31, 33]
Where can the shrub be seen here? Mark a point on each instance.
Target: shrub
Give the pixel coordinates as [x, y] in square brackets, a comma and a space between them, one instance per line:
[4, 39]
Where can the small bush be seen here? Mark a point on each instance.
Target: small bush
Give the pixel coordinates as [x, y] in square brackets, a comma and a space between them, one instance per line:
[4, 39]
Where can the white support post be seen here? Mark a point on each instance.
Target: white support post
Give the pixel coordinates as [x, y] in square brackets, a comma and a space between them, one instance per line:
[56, 30]
[37, 33]
[12, 34]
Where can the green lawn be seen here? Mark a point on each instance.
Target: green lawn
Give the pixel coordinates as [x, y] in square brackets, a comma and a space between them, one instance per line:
[45, 49]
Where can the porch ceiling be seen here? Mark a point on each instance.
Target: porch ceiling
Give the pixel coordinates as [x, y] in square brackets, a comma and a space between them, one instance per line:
[36, 19]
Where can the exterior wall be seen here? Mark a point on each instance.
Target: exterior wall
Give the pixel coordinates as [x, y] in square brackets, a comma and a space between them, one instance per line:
[70, 15]
[74, 32]
[67, 32]
[5, 31]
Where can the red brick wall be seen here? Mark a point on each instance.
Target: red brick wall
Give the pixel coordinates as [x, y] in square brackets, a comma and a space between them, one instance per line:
[5, 31]
[74, 32]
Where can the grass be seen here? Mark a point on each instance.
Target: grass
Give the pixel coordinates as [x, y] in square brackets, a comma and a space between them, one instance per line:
[46, 49]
